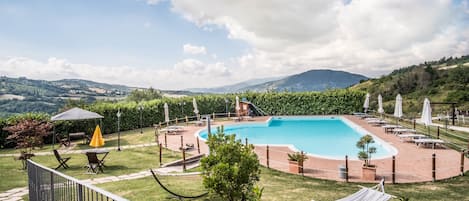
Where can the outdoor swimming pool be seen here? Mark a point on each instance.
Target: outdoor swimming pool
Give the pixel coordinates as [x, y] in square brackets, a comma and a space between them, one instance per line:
[327, 137]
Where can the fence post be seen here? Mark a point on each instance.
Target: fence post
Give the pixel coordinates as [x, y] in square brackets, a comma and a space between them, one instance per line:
[183, 160]
[393, 169]
[165, 141]
[462, 162]
[176, 120]
[161, 154]
[198, 145]
[214, 116]
[187, 121]
[433, 167]
[229, 114]
[52, 186]
[302, 164]
[267, 156]
[346, 168]
[414, 124]
[182, 142]
[438, 132]
[246, 141]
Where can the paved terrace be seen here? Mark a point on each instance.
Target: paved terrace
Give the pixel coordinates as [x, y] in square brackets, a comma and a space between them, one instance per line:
[413, 164]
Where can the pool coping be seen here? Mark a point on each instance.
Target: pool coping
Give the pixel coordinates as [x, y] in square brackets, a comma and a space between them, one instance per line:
[360, 130]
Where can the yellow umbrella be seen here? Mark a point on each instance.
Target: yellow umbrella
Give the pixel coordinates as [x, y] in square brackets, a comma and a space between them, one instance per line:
[97, 140]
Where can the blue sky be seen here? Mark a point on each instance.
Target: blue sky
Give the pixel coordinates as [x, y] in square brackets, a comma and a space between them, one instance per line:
[178, 44]
[123, 32]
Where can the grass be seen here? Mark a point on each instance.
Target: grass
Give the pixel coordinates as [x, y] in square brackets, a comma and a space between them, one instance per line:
[279, 186]
[117, 163]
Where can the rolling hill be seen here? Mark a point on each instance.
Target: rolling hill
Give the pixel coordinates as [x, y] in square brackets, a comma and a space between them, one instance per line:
[445, 80]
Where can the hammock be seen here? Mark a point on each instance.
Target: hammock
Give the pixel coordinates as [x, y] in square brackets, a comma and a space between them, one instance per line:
[173, 193]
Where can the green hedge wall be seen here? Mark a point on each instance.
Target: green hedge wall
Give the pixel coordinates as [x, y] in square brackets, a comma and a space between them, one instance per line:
[273, 103]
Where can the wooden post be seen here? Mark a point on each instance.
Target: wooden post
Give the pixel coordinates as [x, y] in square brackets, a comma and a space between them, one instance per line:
[438, 132]
[182, 142]
[176, 120]
[462, 162]
[183, 160]
[246, 139]
[165, 141]
[198, 146]
[167, 124]
[213, 116]
[434, 167]
[301, 165]
[346, 168]
[187, 121]
[159, 124]
[414, 124]
[161, 154]
[267, 156]
[393, 169]
[229, 114]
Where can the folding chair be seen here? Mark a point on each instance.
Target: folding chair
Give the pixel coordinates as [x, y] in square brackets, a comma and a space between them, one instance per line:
[94, 164]
[63, 141]
[62, 161]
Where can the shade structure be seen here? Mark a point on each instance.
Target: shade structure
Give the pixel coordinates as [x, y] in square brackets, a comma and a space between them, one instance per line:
[366, 104]
[380, 104]
[166, 112]
[426, 113]
[398, 106]
[76, 114]
[237, 106]
[97, 140]
[194, 104]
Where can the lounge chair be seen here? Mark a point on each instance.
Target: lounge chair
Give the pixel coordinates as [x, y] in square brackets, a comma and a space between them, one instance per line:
[172, 130]
[390, 127]
[375, 193]
[428, 141]
[410, 137]
[187, 147]
[94, 164]
[376, 122]
[398, 131]
[62, 160]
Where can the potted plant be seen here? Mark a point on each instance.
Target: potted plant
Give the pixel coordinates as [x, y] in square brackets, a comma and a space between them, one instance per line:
[295, 161]
[368, 170]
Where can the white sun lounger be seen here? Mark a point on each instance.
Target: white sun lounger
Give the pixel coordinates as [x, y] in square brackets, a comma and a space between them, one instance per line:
[428, 141]
[398, 131]
[375, 193]
[376, 122]
[172, 130]
[390, 127]
[410, 137]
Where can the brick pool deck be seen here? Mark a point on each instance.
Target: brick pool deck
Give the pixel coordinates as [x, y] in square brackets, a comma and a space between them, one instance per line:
[413, 164]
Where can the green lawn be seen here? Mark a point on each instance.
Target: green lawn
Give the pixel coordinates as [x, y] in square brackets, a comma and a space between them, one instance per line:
[117, 163]
[279, 186]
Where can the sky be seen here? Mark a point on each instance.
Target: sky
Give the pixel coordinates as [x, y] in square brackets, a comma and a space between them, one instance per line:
[180, 44]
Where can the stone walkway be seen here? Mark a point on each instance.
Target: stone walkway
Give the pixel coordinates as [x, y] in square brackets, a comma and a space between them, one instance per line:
[81, 151]
[16, 194]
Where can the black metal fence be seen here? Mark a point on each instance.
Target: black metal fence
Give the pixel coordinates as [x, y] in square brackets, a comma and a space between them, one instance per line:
[47, 184]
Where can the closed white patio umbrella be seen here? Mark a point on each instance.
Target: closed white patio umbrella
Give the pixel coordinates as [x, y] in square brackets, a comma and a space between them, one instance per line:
[237, 106]
[426, 113]
[366, 104]
[194, 104]
[166, 112]
[380, 104]
[398, 107]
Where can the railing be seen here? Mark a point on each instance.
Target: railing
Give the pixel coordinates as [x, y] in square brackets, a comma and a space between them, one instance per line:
[48, 184]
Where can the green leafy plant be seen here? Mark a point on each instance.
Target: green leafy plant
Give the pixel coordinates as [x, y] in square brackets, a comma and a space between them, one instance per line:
[298, 157]
[231, 169]
[366, 149]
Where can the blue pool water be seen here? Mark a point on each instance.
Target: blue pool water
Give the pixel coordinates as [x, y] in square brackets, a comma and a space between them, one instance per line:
[329, 137]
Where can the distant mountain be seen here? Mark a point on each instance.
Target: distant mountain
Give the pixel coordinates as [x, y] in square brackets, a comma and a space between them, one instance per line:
[234, 87]
[313, 80]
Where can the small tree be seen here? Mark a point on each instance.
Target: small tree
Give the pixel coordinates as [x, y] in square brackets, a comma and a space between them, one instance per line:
[367, 150]
[29, 133]
[231, 169]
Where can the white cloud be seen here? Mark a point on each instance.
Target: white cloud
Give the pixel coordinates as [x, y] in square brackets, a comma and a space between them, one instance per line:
[194, 49]
[188, 73]
[154, 2]
[365, 36]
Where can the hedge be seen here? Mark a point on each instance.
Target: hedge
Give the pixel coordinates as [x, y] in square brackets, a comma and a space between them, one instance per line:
[273, 103]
